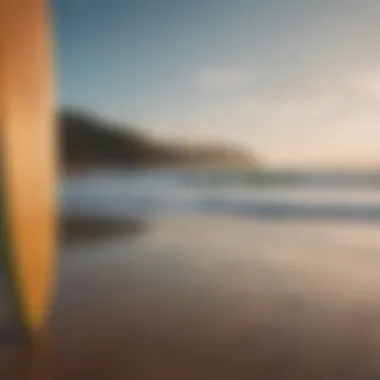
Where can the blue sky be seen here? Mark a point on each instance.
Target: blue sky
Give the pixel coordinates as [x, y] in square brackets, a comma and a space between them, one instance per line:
[298, 81]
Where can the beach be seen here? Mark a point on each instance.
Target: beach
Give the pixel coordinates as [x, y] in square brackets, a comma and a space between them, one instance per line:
[205, 297]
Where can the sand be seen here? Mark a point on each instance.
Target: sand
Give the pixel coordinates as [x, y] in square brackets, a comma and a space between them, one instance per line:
[213, 298]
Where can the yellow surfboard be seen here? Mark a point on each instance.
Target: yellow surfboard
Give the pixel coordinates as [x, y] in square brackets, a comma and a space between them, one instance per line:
[28, 164]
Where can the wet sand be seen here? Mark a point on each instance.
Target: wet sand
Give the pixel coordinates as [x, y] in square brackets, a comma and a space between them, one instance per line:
[214, 298]
[81, 229]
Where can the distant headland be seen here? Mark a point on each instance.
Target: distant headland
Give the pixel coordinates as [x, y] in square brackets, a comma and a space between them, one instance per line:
[88, 141]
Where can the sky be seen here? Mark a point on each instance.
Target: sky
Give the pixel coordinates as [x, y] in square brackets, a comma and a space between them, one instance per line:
[296, 81]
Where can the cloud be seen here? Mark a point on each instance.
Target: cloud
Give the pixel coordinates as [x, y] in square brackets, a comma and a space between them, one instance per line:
[367, 83]
[335, 121]
[224, 79]
[320, 117]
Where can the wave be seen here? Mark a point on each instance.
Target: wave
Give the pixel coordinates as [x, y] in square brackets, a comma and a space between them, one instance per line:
[319, 197]
[286, 179]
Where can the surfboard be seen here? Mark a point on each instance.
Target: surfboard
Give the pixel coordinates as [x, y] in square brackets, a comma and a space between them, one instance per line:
[28, 159]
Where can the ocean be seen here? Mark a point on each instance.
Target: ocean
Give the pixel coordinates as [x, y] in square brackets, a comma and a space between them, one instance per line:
[340, 196]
